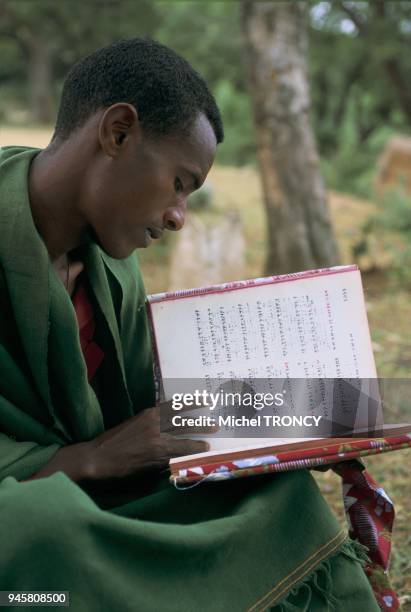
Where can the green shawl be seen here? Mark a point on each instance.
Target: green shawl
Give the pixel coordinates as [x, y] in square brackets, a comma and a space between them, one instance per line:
[38, 327]
[249, 544]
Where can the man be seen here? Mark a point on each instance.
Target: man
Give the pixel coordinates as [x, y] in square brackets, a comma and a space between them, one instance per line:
[136, 132]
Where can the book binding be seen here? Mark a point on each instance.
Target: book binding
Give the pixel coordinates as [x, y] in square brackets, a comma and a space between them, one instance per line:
[326, 454]
[245, 284]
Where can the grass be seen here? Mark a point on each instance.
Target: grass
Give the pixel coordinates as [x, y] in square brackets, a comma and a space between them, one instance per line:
[389, 312]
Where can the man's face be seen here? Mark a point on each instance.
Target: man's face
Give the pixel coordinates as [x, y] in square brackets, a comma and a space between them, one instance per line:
[144, 191]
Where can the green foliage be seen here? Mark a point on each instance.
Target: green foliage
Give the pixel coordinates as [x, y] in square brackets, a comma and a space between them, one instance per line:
[391, 227]
[12, 75]
[352, 166]
[208, 34]
[60, 33]
[238, 147]
[359, 66]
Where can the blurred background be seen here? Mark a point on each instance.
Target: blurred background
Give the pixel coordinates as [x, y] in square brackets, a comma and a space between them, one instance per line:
[315, 168]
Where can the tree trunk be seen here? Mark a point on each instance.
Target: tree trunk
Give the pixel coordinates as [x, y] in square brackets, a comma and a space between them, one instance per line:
[40, 80]
[299, 229]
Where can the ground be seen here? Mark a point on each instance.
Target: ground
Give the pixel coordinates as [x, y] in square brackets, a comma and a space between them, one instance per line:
[388, 306]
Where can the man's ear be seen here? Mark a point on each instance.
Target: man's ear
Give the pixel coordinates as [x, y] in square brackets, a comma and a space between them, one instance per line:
[117, 124]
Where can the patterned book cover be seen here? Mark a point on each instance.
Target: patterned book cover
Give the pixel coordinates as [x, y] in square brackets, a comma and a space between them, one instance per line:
[244, 284]
[328, 452]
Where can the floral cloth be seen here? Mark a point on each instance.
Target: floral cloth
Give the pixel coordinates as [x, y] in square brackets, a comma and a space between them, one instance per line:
[370, 515]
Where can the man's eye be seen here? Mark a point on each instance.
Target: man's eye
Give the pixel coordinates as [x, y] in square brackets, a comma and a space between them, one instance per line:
[178, 185]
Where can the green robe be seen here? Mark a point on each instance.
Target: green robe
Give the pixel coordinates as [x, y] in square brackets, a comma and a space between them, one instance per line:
[250, 544]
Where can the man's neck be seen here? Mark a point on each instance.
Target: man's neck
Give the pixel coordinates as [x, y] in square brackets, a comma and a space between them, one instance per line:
[55, 181]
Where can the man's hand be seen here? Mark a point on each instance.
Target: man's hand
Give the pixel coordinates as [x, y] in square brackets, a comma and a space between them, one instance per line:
[131, 448]
[136, 446]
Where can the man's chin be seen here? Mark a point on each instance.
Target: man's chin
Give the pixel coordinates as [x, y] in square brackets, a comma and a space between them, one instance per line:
[113, 251]
[117, 253]
[93, 237]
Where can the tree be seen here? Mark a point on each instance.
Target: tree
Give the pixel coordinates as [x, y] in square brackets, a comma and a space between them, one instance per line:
[385, 28]
[51, 36]
[299, 230]
[359, 58]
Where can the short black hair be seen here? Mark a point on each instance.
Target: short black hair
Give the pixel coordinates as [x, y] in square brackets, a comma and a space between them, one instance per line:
[164, 88]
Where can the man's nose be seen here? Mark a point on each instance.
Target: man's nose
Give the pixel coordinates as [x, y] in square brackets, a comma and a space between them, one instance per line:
[174, 218]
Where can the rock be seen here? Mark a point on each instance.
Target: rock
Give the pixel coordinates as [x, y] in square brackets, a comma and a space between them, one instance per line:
[208, 254]
[394, 166]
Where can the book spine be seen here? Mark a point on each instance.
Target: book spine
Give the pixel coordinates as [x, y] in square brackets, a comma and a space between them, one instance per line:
[246, 284]
[228, 470]
[156, 365]
[328, 447]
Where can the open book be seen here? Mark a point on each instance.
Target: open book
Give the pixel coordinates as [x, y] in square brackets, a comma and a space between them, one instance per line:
[300, 339]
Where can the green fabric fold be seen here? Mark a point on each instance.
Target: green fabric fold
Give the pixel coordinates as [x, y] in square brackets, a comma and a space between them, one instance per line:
[325, 588]
[226, 547]
[45, 398]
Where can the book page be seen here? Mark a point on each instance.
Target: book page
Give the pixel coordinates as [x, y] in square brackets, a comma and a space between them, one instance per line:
[308, 328]
[313, 327]
[220, 446]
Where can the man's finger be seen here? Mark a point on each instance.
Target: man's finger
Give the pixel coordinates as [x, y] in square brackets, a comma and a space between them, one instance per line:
[183, 446]
[188, 431]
